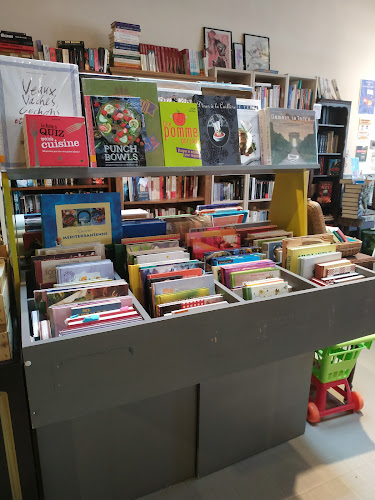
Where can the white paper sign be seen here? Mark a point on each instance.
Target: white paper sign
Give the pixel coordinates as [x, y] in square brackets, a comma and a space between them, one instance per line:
[34, 87]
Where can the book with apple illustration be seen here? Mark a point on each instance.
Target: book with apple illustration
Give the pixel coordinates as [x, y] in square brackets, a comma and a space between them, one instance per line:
[218, 127]
[180, 131]
[116, 130]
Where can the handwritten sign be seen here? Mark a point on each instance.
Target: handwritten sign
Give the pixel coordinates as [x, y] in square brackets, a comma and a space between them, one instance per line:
[32, 87]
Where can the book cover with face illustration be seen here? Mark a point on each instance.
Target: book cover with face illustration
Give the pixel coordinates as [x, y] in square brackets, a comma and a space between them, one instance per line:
[218, 126]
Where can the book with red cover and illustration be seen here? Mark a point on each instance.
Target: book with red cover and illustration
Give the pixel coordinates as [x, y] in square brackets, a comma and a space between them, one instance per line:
[324, 192]
[55, 141]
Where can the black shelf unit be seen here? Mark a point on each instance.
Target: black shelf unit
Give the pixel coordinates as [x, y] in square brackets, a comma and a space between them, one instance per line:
[334, 118]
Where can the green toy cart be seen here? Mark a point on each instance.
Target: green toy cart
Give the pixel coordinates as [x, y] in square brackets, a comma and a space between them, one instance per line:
[331, 369]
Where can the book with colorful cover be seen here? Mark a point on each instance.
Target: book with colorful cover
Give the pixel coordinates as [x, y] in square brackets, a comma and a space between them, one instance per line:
[324, 192]
[181, 295]
[210, 243]
[85, 271]
[180, 131]
[238, 278]
[147, 92]
[287, 136]
[52, 141]
[248, 130]
[306, 264]
[163, 309]
[115, 130]
[225, 270]
[218, 126]
[69, 219]
[265, 289]
[33, 87]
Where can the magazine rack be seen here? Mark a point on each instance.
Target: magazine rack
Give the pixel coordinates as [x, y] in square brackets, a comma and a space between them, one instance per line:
[121, 413]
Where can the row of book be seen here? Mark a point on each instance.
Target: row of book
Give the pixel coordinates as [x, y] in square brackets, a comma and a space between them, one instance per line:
[22, 183]
[16, 44]
[160, 188]
[299, 98]
[330, 166]
[74, 52]
[333, 116]
[124, 42]
[327, 89]
[259, 215]
[270, 96]
[228, 188]
[171, 60]
[328, 143]
[260, 189]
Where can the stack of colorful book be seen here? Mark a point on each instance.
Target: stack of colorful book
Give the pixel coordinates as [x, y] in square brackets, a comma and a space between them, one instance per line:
[224, 213]
[125, 45]
[16, 44]
[171, 60]
[299, 98]
[160, 188]
[351, 199]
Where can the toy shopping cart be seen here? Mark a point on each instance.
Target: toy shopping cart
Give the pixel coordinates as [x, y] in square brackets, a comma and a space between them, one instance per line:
[331, 369]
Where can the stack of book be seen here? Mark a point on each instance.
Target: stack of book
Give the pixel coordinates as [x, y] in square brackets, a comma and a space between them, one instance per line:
[264, 288]
[125, 45]
[228, 188]
[258, 215]
[299, 98]
[223, 214]
[16, 44]
[351, 199]
[160, 188]
[260, 189]
[271, 96]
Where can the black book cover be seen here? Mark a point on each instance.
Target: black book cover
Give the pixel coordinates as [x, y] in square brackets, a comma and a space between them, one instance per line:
[81, 58]
[101, 52]
[16, 40]
[59, 57]
[218, 128]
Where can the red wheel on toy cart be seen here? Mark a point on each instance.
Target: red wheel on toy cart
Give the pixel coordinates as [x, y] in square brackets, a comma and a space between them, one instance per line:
[357, 400]
[313, 415]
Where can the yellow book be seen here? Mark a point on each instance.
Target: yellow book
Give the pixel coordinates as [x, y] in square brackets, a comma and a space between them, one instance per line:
[293, 253]
[181, 295]
[135, 282]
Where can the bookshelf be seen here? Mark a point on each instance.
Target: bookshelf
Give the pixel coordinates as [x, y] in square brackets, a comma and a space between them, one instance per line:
[270, 78]
[306, 83]
[334, 120]
[118, 71]
[228, 75]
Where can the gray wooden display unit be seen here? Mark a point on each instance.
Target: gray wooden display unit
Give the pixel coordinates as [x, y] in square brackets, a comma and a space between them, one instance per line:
[121, 413]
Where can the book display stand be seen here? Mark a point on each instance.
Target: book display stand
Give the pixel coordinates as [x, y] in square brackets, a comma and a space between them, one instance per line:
[127, 411]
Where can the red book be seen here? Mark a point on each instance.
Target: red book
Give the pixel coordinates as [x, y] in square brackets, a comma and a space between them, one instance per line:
[52, 54]
[167, 59]
[158, 58]
[53, 141]
[163, 59]
[96, 60]
[11, 47]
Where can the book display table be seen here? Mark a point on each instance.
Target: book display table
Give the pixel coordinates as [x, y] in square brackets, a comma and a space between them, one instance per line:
[122, 413]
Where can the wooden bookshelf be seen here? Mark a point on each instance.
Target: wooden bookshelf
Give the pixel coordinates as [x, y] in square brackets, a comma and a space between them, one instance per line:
[273, 79]
[307, 83]
[159, 75]
[228, 75]
[60, 188]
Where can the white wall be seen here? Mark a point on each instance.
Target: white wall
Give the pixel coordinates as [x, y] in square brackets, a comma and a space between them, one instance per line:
[331, 38]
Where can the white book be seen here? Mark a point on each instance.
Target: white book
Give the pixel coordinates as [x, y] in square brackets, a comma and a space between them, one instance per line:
[162, 257]
[65, 55]
[306, 265]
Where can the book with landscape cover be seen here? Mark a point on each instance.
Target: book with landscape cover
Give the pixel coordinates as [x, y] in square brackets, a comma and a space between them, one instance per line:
[69, 219]
[248, 130]
[147, 92]
[218, 126]
[287, 136]
[55, 141]
[115, 130]
[180, 130]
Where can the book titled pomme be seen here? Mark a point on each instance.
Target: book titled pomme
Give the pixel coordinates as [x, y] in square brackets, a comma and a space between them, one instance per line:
[52, 141]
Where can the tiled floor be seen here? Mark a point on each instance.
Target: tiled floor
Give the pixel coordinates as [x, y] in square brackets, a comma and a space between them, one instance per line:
[334, 460]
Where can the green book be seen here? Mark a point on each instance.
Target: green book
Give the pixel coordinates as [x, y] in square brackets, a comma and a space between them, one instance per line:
[180, 131]
[148, 93]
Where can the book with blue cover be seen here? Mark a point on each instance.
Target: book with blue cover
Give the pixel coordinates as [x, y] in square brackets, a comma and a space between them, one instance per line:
[70, 219]
[143, 227]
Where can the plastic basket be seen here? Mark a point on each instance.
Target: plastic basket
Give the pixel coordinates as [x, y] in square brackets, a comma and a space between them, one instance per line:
[336, 362]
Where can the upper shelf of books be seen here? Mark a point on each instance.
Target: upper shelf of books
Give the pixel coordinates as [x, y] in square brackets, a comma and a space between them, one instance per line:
[79, 172]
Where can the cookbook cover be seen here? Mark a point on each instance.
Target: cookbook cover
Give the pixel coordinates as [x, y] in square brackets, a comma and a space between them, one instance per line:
[69, 219]
[55, 140]
[116, 131]
[30, 86]
[148, 94]
[218, 126]
[180, 130]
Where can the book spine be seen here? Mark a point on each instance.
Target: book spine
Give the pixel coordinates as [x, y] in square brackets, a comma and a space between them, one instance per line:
[46, 52]
[52, 54]
[65, 56]
[96, 60]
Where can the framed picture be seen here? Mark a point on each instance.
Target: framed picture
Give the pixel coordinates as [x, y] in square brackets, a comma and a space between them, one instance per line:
[238, 56]
[218, 44]
[257, 52]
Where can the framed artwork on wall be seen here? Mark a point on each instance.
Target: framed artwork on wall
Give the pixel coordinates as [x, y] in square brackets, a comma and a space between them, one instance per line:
[238, 56]
[257, 52]
[218, 44]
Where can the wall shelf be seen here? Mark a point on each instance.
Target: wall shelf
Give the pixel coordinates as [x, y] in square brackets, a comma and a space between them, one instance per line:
[60, 188]
[164, 202]
[157, 74]
[80, 173]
